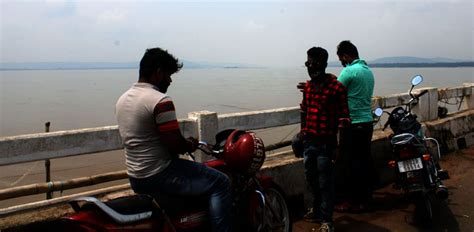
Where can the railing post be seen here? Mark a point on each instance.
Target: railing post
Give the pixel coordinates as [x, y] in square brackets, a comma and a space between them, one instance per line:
[427, 107]
[47, 164]
[207, 126]
[468, 101]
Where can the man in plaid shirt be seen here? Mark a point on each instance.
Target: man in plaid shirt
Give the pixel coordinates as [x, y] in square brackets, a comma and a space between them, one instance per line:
[324, 109]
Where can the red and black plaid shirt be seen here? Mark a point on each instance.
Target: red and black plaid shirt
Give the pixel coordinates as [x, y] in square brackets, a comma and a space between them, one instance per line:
[324, 106]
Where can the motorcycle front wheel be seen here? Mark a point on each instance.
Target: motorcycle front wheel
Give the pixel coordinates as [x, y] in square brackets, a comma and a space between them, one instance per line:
[275, 217]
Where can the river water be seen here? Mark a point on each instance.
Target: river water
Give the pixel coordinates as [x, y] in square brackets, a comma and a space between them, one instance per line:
[72, 99]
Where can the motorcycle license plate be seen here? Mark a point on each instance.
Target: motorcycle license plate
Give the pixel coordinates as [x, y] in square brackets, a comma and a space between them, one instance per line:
[410, 165]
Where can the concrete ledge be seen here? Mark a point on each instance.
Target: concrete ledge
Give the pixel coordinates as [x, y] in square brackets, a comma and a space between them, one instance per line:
[32, 147]
[259, 119]
[287, 171]
[453, 132]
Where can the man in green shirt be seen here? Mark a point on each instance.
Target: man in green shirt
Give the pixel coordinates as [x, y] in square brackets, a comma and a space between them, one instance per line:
[356, 161]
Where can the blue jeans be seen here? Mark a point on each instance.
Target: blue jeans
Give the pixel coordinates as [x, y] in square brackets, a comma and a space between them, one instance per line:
[318, 167]
[187, 178]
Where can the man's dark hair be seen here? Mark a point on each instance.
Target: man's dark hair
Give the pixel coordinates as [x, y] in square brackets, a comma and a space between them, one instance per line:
[155, 58]
[319, 54]
[347, 48]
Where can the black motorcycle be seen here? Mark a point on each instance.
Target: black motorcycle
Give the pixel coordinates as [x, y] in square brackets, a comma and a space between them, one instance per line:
[417, 169]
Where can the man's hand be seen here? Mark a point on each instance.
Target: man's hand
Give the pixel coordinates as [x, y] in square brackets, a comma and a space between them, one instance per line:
[300, 86]
[192, 144]
[344, 123]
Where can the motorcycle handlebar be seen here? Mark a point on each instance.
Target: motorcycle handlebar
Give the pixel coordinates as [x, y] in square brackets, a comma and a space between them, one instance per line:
[422, 93]
[414, 98]
[206, 148]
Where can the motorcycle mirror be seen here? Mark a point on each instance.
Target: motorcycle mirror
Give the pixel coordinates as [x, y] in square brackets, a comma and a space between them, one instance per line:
[378, 111]
[416, 80]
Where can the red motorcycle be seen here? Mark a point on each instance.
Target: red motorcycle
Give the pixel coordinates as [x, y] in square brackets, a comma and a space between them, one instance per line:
[258, 203]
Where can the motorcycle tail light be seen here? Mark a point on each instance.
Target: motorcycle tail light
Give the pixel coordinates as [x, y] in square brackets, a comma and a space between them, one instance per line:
[392, 164]
[426, 157]
[406, 153]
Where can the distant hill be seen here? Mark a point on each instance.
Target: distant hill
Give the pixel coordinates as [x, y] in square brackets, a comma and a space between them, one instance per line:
[108, 65]
[410, 61]
[67, 65]
[424, 65]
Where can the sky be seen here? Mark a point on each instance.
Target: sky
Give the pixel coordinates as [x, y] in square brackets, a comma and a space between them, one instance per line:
[266, 33]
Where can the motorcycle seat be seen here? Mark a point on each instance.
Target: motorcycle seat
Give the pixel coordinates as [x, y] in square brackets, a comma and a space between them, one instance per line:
[175, 203]
[122, 210]
[404, 138]
[132, 204]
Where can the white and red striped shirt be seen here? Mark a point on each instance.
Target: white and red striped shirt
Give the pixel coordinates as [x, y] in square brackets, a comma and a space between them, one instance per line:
[142, 113]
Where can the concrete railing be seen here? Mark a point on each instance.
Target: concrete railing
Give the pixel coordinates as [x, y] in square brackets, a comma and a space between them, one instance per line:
[202, 124]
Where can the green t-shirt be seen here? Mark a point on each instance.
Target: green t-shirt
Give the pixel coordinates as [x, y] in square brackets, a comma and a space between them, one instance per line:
[359, 81]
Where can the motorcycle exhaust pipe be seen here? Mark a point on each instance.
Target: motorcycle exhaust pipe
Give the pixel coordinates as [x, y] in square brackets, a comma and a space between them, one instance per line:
[442, 192]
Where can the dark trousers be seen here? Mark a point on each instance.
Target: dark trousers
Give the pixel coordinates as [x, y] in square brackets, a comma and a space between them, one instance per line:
[356, 173]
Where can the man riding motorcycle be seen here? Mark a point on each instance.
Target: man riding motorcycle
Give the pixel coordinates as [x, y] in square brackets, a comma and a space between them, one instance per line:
[152, 140]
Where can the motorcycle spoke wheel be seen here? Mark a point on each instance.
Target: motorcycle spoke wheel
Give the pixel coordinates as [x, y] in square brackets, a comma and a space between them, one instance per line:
[276, 215]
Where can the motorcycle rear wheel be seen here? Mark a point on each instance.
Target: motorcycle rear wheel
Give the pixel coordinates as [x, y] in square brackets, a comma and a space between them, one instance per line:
[424, 208]
[276, 216]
